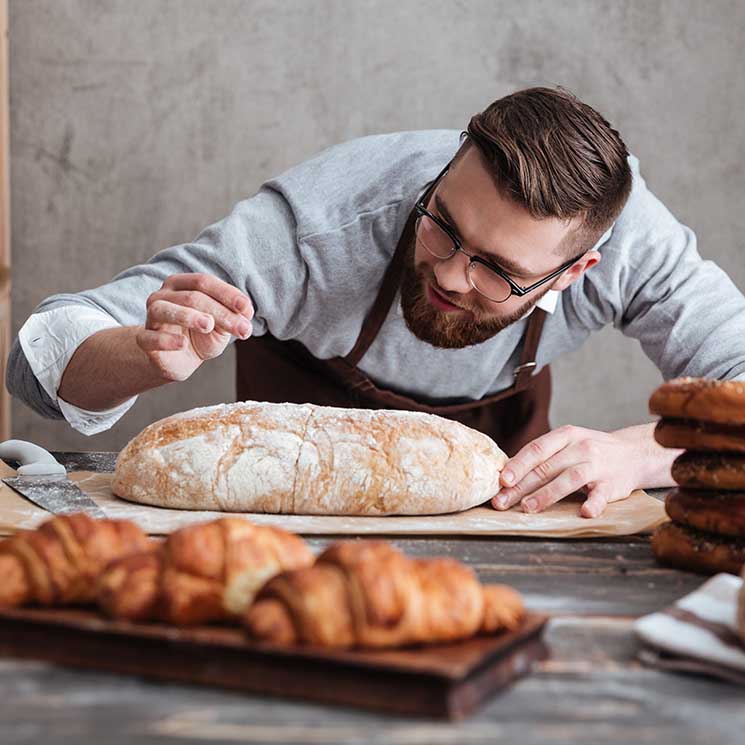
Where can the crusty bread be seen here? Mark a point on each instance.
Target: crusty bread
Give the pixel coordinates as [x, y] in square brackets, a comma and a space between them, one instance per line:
[700, 470]
[307, 459]
[703, 399]
[699, 436]
[708, 510]
[696, 551]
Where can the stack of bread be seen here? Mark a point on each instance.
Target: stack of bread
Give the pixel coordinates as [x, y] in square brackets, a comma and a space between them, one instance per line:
[354, 594]
[707, 509]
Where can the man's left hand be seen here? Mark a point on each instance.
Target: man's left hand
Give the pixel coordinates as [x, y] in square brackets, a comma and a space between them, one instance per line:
[606, 466]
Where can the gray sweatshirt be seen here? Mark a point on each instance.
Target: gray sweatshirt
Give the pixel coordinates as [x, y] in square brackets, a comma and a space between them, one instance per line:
[310, 249]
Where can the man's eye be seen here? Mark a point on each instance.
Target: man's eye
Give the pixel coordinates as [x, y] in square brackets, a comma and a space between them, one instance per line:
[490, 261]
[439, 216]
[511, 275]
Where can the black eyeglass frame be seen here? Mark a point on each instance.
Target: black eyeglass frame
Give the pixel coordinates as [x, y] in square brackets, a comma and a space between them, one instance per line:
[515, 288]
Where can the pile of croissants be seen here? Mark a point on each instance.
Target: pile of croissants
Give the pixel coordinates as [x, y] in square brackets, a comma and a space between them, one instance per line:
[357, 593]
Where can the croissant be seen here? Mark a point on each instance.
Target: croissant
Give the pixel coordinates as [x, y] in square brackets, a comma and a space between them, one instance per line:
[58, 562]
[369, 594]
[201, 573]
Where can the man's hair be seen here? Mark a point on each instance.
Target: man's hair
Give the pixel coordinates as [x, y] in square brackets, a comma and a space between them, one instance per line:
[557, 157]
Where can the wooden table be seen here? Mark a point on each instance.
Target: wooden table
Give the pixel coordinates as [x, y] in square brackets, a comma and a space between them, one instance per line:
[591, 690]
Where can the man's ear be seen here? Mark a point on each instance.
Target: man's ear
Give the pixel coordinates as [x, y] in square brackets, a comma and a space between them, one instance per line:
[577, 269]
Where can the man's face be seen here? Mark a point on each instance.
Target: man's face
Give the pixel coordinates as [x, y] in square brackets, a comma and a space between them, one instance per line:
[440, 306]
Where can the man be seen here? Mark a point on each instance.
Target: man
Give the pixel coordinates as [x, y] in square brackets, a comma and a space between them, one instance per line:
[418, 270]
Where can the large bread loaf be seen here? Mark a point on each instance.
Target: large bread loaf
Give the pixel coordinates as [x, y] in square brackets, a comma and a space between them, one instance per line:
[306, 459]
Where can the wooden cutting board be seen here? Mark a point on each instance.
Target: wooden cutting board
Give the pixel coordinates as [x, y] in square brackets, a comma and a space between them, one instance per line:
[443, 681]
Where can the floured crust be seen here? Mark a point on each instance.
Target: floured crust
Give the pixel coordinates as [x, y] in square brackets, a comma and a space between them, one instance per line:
[700, 398]
[307, 459]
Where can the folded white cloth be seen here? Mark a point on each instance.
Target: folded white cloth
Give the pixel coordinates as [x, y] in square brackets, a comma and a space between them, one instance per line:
[699, 632]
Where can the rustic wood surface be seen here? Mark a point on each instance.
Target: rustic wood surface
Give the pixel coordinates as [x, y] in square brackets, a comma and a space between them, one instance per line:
[445, 682]
[590, 690]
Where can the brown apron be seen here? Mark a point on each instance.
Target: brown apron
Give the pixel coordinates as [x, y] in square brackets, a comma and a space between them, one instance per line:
[277, 371]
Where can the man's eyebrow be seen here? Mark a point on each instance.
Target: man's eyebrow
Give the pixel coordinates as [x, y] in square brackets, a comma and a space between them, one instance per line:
[503, 263]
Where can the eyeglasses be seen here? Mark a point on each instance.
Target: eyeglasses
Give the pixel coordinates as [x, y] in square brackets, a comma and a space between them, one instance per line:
[488, 279]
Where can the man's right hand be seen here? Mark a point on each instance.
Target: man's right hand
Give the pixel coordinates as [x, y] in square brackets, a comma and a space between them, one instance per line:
[189, 320]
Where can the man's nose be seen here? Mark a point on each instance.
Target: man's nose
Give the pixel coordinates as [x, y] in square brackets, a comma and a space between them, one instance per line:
[452, 274]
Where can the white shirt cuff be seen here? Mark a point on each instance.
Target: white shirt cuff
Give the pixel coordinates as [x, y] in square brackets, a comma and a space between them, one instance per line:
[92, 422]
[49, 340]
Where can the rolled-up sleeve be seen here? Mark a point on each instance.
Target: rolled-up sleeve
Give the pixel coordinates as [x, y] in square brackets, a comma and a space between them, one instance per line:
[48, 341]
[254, 248]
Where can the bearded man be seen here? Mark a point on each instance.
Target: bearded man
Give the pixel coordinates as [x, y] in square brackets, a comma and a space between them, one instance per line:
[435, 271]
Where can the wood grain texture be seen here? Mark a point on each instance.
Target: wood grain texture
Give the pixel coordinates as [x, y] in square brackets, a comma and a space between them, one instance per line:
[590, 690]
[441, 681]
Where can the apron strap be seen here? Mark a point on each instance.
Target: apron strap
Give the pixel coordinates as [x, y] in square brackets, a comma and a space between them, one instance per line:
[524, 371]
[389, 287]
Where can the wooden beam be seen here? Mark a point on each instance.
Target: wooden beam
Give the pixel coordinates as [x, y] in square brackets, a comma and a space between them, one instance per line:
[4, 222]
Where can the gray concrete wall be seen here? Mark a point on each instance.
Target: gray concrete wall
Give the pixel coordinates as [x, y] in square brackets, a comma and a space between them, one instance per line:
[135, 124]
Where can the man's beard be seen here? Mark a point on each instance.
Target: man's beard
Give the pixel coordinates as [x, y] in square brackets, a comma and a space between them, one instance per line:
[447, 330]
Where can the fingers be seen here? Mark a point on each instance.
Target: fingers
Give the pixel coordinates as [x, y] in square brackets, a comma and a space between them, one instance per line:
[598, 498]
[163, 312]
[567, 482]
[595, 503]
[196, 311]
[535, 452]
[565, 461]
[225, 294]
[159, 341]
[540, 475]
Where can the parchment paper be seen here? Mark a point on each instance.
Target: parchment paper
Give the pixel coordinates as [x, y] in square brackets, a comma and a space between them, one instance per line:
[639, 513]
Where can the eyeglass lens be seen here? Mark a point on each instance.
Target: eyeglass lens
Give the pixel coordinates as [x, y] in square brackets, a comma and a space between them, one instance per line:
[438, 243]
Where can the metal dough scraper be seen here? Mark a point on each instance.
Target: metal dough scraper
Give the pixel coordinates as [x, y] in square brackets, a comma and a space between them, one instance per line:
[43, 481]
